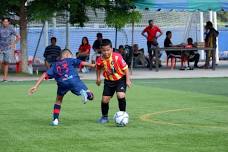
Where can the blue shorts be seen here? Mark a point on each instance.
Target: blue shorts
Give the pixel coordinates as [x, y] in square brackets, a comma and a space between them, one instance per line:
[5, 56]
[75, 88]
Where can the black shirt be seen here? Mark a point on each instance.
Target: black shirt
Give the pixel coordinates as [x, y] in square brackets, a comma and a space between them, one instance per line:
[97, 45]
[167, 42]
[52, 53]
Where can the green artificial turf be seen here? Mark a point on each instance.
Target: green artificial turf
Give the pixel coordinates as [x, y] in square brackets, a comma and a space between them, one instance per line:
[166, 115]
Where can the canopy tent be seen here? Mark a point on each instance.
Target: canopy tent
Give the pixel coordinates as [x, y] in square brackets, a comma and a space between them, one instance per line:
[186, 5]
[190, 5]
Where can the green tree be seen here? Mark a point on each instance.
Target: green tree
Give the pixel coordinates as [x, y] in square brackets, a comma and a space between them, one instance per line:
[26, 11]
[118, 14]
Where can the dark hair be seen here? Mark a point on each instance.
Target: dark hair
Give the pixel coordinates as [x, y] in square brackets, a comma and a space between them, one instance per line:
[106, 42]
[121, 47]
[53, 38]
[64, 51]
[5, 18]
[99, 35]
[209, 24]
[189, 40]
[86, 40]
[150, 21]
[168, 32]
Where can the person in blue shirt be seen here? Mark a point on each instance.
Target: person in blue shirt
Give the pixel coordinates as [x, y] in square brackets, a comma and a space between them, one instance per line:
[63, 71]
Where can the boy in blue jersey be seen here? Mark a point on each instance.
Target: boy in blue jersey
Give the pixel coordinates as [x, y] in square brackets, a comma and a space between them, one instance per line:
[67, 80]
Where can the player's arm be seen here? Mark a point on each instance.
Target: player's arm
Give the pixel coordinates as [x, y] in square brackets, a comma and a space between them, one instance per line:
[35, 87]
[143, 33]
[98, 74]
[17, 37]
[160, 33]
[128, 80]
[88, 64]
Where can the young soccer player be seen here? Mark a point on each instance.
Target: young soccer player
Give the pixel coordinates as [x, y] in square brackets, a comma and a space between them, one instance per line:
[67, 80]
[116, 74]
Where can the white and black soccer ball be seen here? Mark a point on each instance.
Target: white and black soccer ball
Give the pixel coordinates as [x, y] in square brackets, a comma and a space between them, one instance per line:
[121, 118]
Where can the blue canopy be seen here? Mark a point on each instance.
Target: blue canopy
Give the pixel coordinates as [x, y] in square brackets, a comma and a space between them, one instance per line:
[190, 5]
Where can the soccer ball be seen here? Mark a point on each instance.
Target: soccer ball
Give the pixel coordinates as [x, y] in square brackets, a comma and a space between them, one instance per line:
[121, 118]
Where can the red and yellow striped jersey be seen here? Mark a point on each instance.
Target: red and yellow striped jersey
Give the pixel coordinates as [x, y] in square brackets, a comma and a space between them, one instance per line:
[113, 67]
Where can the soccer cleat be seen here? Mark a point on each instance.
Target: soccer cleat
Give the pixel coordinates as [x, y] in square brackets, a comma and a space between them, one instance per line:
[4, 80]
[55, 122]
[103, 120]
[84, 96]
[90, 95]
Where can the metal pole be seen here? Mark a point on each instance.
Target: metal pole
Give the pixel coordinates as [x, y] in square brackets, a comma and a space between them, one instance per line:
[216, 27]
[67, 30]
[116, 39]
[211, 16]
[54, 24]
[202, 55]
[132, 43]
[46, 33]
[38, 43]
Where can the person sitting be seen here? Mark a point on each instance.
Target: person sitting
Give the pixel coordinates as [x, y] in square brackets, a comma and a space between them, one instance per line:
[139, 55]
[52, 53]
[84, 50]
[83, 53]
[168, 43]
[171, 54]
[122, 51]
[193, 55]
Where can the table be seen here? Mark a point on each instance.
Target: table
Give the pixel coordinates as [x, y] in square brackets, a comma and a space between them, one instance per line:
[181, 49]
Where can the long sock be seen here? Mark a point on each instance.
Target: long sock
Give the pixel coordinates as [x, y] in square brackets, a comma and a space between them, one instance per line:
[104, 109]
[122, 104]
[56, 111]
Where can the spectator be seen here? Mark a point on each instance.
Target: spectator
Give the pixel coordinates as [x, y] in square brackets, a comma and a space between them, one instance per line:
[193, 55]
[168, 43]
[84, 50]
[151, 36]
[139, 55]
[52, 53]
[122, 51]
[97, 47]
[175, 54]
[7, 34]
[210, 41]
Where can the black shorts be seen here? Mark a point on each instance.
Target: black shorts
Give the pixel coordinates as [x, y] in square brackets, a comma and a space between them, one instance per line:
[110, 87]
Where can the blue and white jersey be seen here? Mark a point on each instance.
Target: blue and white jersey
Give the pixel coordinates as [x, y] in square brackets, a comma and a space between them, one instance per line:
[64, 72]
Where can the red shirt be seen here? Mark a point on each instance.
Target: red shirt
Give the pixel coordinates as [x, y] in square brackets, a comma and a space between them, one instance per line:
[113, 67]
[151, 32]
[84, 48]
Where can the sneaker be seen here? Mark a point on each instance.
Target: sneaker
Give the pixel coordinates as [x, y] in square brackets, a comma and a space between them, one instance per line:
[103, 120]
[196, 66]
[55, 122]
[90, 95]
[4, 80]
[189, 68]
[84, 96]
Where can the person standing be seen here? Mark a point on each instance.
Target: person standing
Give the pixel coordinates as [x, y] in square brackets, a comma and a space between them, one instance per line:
[52, 53]
[96, 48]
[151, 37]
[210, 41]
[116, 74]
[7, 43]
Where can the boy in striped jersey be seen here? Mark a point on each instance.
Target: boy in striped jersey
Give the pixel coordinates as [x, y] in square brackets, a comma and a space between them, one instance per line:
[116, 74]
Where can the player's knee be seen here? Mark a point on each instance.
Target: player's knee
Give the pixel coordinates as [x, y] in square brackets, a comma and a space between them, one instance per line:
[120, 95]
[105, 99]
